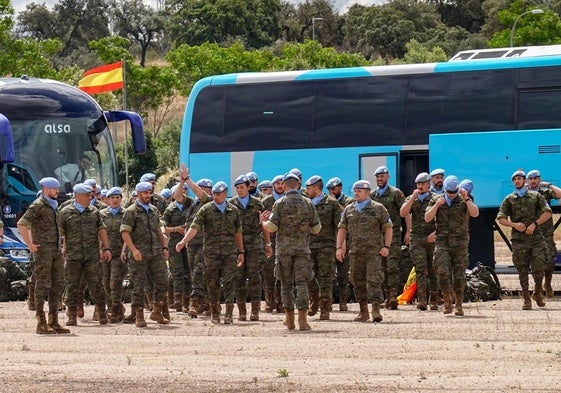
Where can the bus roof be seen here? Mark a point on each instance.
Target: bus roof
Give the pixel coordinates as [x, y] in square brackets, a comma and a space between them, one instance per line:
[505, 53]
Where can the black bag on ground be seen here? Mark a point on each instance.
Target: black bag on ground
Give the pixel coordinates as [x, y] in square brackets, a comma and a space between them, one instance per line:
[5, 286]
[482, 284]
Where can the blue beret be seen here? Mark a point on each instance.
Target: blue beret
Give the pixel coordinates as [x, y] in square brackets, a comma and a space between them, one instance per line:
[451, 183]
[251, 176]
[290, 175]
[165, 193]
[313, 180]
[362, 185]
[104, 192]
[219, 187]
[143, 186]
[148, 177]
[333, 182]
[437, 171]
[422, 177]
[381, 170]
[533, 173]
[134, 193]
[82, 188]
[205, 183]
[49, 182]
[467, 185]
[297, 172]
[277, 178]
[265, 184]
[241, 179]
[114, 191]
[90, 182]
[519, 172]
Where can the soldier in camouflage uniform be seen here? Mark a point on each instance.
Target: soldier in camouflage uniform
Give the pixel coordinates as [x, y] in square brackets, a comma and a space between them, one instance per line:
[39, 229]
[422, 241]
[293, 218]
[322, 246]
[249, 277]
[265, 188]
[369, 227]
[271, 285]
[549, 192]
[335, 188]
[450, 212]
[254, 190]
[437, 181]
[82, 228]
[525, 211]
[392, 198]
[114, 271]
[223, 250]
[142, 235]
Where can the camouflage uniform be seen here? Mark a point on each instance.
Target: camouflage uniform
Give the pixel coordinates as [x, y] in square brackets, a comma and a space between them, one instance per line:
[220, 249]
[48, 268]
[365, 231]
[294, 216]
[114, 271]
[342, 268]
[81, 240]
[528, 251]
[547, 229]
[143, 227]
[175, 216]
[392, 199]
[271, 285]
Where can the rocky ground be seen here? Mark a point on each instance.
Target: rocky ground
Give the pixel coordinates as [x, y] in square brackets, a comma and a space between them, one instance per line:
[495, 347]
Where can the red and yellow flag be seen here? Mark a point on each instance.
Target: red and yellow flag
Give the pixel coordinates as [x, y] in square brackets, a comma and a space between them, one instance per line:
[101, 79]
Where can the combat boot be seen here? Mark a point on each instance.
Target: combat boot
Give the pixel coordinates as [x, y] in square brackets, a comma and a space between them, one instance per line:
[156, 314]
[433, 300]
[314, 306]
[289, 319]
[538, 295]
[303, 320]
[527, 305]
[131, 317]
[177, 301]
[459, 310]
[343, 304]
[324, 309]
[422, 301]
[139, 318]
[205, 307]
[184, 302]
[115, 311]
[548, 288]
[447, 304]
[53, 323]
[31, 296]
[363, 315]
[269, 303]
[80, 305]
[101, 313]
[194, 305]
[42, 326]
[376, 316]
[228, 315]
[165, 311]
[71, 321]
[242, 310]
[215, 313]
[255, 307]
[392, 300]
[148, 301]
[280, 307]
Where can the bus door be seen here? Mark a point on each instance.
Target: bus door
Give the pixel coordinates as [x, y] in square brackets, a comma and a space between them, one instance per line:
[369, 162]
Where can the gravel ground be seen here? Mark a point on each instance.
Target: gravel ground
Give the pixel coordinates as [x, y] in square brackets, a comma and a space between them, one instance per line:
[495, 347]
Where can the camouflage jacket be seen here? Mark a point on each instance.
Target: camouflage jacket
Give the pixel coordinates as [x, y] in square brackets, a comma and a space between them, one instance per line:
[526, 210]
[173, 217]
[44, 223]
[420, 229]
[450, 220]
[329, 213]
[143, 227]
[80, 231]
[251, 222]
[392, 200]
[365, 228]
[194, 207]
[113, 225]
[159, 202]
[547, 227]
[218, 228]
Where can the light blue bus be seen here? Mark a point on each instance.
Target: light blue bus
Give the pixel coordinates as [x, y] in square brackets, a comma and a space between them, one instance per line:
[477, 119]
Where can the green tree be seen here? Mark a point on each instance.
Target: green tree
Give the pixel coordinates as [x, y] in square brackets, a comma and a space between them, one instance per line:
[137, 165]
[167, 146]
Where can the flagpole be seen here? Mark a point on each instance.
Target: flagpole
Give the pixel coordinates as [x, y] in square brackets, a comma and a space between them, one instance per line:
[126, 131]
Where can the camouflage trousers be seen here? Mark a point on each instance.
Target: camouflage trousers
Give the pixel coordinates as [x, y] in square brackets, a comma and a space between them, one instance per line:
[294, 271]
[450, 261]
[390, 266]
[48, 276]
[366, 276]
[249, 276]
[221, 271]
[153, 267]
[342, 278]
[197, 269]
[323, 265]
[422, 253]
[528, 255]
[552, 252]
[88, 270]
[179, 268]
[112, 275]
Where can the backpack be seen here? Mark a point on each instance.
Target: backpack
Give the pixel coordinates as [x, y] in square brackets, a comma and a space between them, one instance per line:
[482, 284]
[5, 286]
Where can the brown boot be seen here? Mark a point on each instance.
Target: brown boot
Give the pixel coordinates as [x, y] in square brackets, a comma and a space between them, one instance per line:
[269, 302]
[447, 304]
[102, 315]
[72, 314]
[433, 300]
[139, 318]
[242, 310]
[205, 307]
[324, 309]
[215, 313]
[303, 320]
[314, 306]
[156, 314]
[393, 299]
[177, 305]
[538, 295]
[42, 326]
[459, 310]
[194, 305]
[131, 318]
[289, 319]
[527, 305]
[165, 311]
[255, 307]
[547, 286]
[228, 315]
[115, 311]
[31, 296]
[53, 323]
[80, 305]
[363, 315]
[148, 301]
[376, 316]
[184, 303]
[422, 302]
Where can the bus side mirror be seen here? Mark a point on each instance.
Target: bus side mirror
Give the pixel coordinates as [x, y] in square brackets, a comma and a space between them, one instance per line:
[137, 127]
[6, 141]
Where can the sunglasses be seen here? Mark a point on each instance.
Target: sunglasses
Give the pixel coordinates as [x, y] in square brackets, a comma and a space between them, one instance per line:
[452, 192]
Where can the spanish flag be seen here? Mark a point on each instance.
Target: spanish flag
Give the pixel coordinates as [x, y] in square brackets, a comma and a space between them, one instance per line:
[101, 79]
